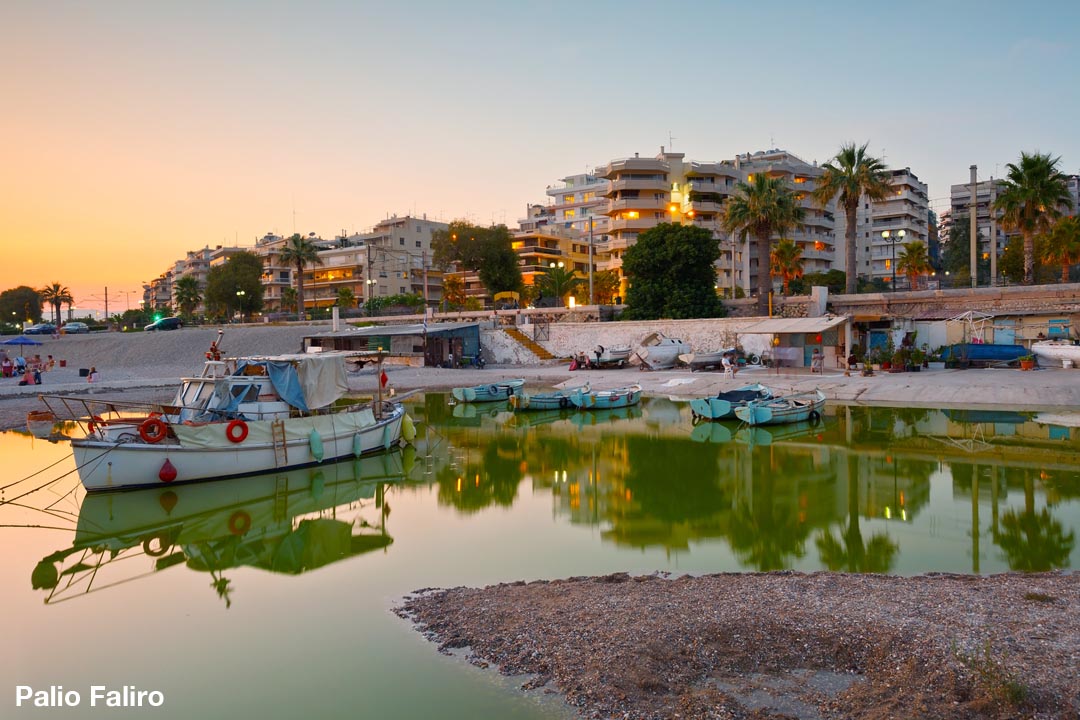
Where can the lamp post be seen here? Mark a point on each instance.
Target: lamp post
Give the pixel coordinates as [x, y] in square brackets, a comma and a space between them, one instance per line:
[892, 240]
[240, 303]
[559, 265]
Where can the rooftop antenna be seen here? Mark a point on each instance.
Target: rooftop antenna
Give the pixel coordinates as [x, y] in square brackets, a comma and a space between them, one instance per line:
[671, 141]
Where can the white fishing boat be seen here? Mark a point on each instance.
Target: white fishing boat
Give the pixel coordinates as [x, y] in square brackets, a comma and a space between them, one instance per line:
[241, 416]
[1057, 352]
[616, 356]
[662, 352]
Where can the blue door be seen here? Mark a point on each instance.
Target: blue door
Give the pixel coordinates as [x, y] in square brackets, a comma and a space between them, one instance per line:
[1004, 332]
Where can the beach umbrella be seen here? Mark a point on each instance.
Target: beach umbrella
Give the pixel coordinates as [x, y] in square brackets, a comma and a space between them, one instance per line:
[21, 341]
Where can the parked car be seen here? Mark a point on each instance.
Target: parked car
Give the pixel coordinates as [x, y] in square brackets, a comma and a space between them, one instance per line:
[168, 323]
[40, 329]
[76, 328]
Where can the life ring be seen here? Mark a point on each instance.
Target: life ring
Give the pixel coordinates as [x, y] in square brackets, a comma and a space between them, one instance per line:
[163, 545]
[509, 392]
[753, 360]
[814, 417]
[239, 522]
[564, 402]
[94, 423]
[153, 430]
[236, 431]
[494, 389]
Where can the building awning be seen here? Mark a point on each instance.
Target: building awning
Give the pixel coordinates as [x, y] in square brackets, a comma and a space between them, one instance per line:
[793, 326]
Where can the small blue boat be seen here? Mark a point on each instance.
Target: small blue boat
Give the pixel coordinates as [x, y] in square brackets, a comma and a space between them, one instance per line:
[606, 399]
[558, 400]
[500, 390]
[781, 410]
[722, 406]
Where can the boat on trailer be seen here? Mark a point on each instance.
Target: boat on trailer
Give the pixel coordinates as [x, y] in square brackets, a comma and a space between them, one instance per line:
[792, 408]
[491, 392]
[722, 405]
[241, 416]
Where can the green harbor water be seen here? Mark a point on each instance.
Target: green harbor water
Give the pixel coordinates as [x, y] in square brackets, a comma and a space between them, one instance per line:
[271, 597]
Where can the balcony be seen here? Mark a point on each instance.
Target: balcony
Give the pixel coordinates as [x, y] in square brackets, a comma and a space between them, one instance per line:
[635, 164]
[609, 264]
[653, 184]
[648, 204]
[635, 225]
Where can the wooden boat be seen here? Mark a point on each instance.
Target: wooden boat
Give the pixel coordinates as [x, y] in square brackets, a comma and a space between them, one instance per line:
[1056, 352]
[40, 423]
[560, 399]
[722, 406]
[242, 416]
[662, 352]
[795, 407]
[492, 392]
[606, 399]
[616, 356]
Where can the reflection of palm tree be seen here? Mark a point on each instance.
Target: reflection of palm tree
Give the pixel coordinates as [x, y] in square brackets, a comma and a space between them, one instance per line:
[849, 552]
[768, 534]
[1033, 542]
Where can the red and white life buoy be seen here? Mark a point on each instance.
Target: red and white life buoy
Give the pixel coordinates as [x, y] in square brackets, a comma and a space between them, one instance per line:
[94, 423]
[236, 431]
[153, 430]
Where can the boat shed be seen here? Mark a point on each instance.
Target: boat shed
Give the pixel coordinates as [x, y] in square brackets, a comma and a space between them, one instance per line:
[795, 339]
[426, 344]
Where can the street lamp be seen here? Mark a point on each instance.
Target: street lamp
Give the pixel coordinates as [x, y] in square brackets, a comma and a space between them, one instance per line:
[892, 240]
[240, 303]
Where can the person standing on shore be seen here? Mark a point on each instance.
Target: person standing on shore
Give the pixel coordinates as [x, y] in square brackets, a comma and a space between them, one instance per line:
[93, 376]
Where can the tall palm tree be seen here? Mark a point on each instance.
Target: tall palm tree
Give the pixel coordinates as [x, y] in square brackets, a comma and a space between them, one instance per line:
[288, 299]
[346, 298]
[764, 207]
[1033, 196]
[56, 295]
[786, 261]
[851, 175]
[913, 262]
[187, 295]
[557, 282]
[300, 252]
[1062, 245]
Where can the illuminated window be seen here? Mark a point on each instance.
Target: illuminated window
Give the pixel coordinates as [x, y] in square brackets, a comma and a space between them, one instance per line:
[799, 180]
[818, 245]
[568, 198]
[888, 264]
[632, 215]
[568, 214]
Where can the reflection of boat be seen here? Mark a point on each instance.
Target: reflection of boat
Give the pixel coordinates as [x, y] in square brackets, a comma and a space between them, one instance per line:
[711, 433]
[542, 417]
[606, 399]
[1055, 352]
[722, 406]
[492, 392]
[40, 423]
[598, 417]
[545, 401]
[240, 417]
[795, 407]
[466, 410]
[1004, 417]
[719, 433]
[1064, 419]
[662, 351]
[288, 522]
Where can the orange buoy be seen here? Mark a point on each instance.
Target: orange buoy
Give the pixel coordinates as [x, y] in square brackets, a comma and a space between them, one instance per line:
[236, 431]
[153, 430]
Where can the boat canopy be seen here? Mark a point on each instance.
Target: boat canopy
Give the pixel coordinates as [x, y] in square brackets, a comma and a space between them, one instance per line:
[306, 382]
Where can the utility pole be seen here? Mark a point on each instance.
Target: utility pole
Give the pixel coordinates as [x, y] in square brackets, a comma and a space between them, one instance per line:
[423, 261]
[974, 226]
[106, 304]
[592, 296]
[993, 234]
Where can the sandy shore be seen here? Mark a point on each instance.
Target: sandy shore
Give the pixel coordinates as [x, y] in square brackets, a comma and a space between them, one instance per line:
[777, 645]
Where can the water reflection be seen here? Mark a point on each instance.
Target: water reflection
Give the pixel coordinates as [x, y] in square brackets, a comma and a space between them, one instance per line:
[282, 522]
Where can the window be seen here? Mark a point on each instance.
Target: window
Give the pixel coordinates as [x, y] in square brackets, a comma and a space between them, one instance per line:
[568, 198]
[799, 180]
[417, 243]
[401, 290]
[569, 214]
[417, 228]
[401, 241]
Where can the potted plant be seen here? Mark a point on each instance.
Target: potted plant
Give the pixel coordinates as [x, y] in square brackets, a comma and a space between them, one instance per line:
[935, 360]
[899, 361]
[1027, 362]
[918, 360]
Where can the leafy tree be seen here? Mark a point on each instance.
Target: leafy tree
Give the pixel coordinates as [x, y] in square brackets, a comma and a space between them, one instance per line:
[1061, 246]
[834, 280]
[346, 298]
[763, 207]
[19, 304]
[187, 295]
[453, 291]
[672, 274]
[1032, 198]
[956, 256]
[558, 282]
[376, 304]
[300, 252]
[56, 295]
[486, 251]
[852, 174]
[1011, 263]
[288, 299]
[786, 261]
[913, 262]
[872, 285]
[236, 285]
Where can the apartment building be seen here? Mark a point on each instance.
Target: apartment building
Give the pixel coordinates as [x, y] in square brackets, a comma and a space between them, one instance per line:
[987, 222]
[903, 214]
[578, 204]
[398, 258]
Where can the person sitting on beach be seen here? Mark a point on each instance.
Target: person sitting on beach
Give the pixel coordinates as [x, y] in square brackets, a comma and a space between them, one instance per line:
[50, 363]
[730, 368]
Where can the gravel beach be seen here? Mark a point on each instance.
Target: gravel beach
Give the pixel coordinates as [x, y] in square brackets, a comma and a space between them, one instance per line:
[777, 645]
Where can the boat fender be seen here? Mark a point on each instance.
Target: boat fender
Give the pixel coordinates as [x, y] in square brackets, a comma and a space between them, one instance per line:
[315, 440]
[236, 431]
[167, 473]
[814, 417]
[494, 390]
[408, 428]
[357, 445]
[509, 392]
[153, 430]
[564, 402]
[163, 545]
[239, 522]
[95, 423]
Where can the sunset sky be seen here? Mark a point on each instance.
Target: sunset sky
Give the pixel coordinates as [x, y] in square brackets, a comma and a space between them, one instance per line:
[135, 131]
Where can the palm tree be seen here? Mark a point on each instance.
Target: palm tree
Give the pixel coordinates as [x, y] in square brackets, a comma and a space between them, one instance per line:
[913, 262]
[853, 176]
[1062, 245]
[786, 261]
[1032, 198]
[300, 252]
[557, 282]
[187, 295]
[56, 295]
[764, 207]
[288, 299]
[346, 298]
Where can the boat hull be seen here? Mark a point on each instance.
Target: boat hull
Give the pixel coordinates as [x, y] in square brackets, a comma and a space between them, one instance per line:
[607, 399]
[199, 455]
[495, 392]
[722, 406]
[1056, 352]
[783, 410]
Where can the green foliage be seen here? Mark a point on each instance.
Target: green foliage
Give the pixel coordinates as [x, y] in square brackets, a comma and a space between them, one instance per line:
[913, 261]
[56, 295]
[187, 295]
[486, 251]
[835, 280]
[1033, 196]
[1002, 683]
[872, 285]
[346, 298]
[19, 304]
[377, 305]
[956, 253]
[1061, 246]
[786, 261]
[672, 274]
[558, 282]
[241, 273]
[300, 252]
[1011, 262]
[288, 299]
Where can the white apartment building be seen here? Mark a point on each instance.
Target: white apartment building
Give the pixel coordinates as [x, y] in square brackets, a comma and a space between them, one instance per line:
[988, 224]
[398, 258]
[578, 204]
